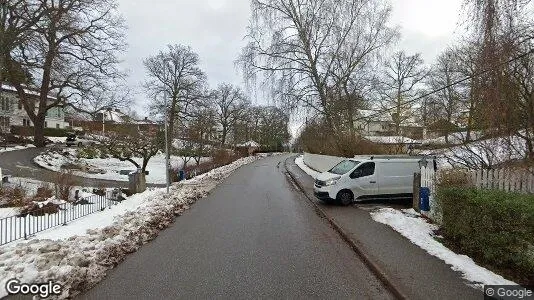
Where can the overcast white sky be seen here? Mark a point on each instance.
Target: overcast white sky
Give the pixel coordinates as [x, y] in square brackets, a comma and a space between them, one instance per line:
[215, 30]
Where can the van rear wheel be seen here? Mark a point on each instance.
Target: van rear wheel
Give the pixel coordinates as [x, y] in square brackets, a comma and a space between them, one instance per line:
[345, 198]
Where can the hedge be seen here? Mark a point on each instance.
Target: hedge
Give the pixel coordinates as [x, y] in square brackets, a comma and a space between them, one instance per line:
[494, 227]
[28, 131]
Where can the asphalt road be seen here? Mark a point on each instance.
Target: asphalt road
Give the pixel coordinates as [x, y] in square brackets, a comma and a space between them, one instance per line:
[20, 163]
[254, 236]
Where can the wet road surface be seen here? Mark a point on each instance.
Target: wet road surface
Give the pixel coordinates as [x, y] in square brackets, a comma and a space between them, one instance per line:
[254, 236]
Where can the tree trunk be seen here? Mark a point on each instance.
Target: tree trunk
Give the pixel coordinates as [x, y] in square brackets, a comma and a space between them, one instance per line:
[223, 135]
[469, 122]
[145, 163]
[38, 132]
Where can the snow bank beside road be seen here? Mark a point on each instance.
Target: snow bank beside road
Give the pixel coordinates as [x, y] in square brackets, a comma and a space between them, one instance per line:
[80, 261]
[412, 226]
[8, 149]
[300, 163]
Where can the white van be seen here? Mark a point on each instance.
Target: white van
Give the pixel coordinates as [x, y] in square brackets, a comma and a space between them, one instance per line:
[368, 177]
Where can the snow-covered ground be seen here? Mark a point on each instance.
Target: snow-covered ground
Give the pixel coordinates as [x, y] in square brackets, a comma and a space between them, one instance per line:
[412, 226]
[489, 152]
[79, 255]
[29, 186]
[395, 139]
[15, 148]
[300, 163]
[454, 138]
[110, 168]
[8, 212]
[57, 139]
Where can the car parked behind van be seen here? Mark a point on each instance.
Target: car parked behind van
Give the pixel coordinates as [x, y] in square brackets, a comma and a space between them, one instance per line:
[74, 140]
[368, 177]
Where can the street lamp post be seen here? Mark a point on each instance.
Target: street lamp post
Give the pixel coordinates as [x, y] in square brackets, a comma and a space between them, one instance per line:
[167, 179]
[166, 116]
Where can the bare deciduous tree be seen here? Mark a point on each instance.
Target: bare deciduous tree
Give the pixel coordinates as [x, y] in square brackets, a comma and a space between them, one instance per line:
[174, 78]
[309, 52]
[230, 105]
[126, 146]
[110, 95]
[403, 73]
[447, 102]
[66, 49]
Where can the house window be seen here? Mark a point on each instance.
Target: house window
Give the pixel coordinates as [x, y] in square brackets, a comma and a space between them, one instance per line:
[25, 122]
[46, 124]
[5, 104]
[4, 124]
[57, 125]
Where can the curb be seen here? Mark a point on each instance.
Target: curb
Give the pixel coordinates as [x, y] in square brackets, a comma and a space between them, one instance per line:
[351, 242]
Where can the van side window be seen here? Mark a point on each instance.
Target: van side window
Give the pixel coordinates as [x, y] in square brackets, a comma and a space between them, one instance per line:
[365, 169]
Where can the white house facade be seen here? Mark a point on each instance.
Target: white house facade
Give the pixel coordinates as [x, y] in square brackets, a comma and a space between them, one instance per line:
[377, 123]
[12, 112]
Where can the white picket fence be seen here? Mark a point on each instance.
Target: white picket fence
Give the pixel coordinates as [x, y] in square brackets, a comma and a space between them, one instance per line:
[509, 180]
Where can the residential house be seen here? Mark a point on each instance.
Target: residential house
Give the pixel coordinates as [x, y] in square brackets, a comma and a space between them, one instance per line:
[377, 123]
[112, 120]
[12, 112]
[248, 148]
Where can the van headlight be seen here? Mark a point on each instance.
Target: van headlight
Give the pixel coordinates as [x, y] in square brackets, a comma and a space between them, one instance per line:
[332, 181]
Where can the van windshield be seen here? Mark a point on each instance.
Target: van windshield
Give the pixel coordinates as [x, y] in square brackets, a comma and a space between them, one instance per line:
[344, 167]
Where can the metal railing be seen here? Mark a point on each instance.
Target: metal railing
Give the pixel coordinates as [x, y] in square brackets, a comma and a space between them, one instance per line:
[33, 221]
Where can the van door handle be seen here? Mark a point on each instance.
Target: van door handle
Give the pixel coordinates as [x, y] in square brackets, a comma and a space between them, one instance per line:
[373, 181]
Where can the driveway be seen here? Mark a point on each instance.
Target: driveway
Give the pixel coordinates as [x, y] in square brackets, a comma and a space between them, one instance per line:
[19, 163]
[254, 236]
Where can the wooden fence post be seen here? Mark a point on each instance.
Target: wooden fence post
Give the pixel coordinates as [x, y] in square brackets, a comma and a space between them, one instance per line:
[416, 189]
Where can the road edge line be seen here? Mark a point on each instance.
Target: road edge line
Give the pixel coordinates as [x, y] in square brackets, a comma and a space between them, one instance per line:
[378, 272]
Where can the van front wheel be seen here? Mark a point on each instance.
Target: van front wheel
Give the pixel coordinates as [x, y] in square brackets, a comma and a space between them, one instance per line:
[345, 198]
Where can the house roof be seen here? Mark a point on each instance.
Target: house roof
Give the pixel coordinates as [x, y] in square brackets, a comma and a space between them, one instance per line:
[371, 115]
[249, 144]
[28, 91]
[111, 115]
